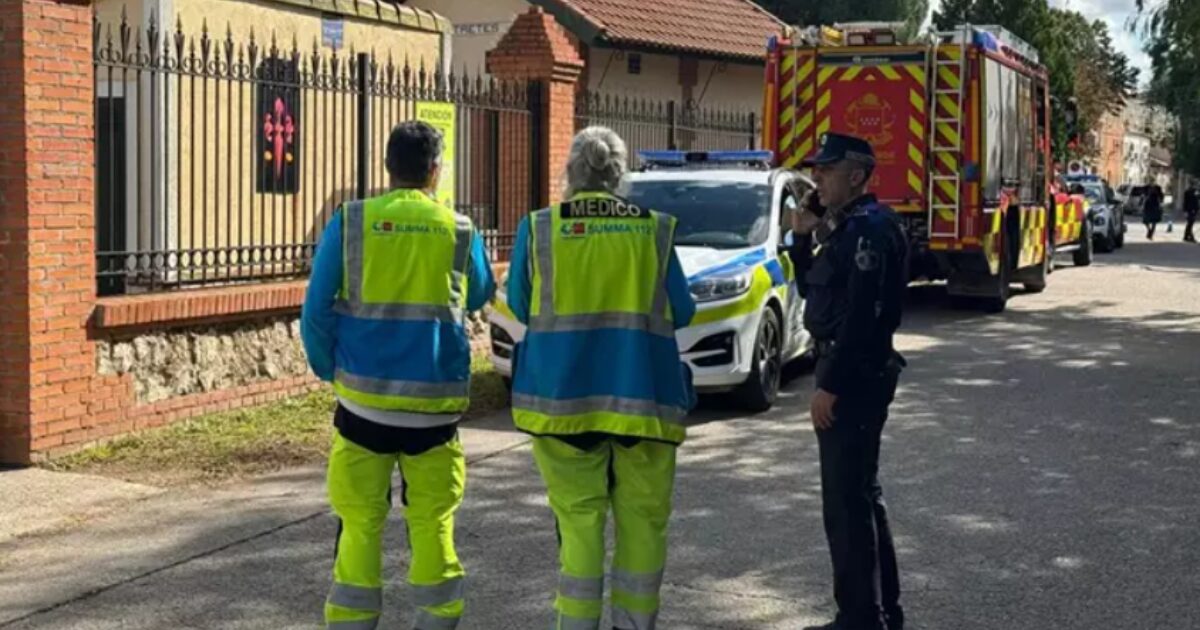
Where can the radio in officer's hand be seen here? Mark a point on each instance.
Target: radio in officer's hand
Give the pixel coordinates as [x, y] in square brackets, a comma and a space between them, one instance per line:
[808, 215]
[812, 203]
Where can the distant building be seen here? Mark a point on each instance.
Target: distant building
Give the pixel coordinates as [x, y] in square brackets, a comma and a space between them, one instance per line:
[710, 52]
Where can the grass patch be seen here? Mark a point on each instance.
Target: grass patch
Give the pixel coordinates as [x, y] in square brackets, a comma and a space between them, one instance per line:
[251, 441]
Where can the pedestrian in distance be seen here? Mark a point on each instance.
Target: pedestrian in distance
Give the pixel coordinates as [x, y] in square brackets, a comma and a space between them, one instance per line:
[851, 251]
[598, 381]
[384, 321]
[1152, 209]
[1191, 208]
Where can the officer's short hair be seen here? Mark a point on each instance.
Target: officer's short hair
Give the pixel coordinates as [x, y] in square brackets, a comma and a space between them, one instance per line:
[867, 169]
[414, 150]
[597, 161]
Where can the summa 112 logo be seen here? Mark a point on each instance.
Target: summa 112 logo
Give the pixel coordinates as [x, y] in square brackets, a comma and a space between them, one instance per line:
[575, 229]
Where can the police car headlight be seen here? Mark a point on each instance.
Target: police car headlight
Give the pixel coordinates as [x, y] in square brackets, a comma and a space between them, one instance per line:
[722, 287]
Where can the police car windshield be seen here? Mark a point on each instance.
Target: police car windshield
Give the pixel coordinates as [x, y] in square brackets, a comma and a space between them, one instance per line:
[719, 214]
[1094, 193]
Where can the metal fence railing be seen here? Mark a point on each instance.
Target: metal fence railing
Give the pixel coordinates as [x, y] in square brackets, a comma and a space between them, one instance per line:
[221, 161]
[647, 124]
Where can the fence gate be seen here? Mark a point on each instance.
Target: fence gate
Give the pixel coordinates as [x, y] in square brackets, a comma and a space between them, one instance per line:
[221, 161]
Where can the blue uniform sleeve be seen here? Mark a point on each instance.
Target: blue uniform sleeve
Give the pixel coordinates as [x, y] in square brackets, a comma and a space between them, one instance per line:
[520, 280]
[481, 284]
[317, 319]
[683, 306]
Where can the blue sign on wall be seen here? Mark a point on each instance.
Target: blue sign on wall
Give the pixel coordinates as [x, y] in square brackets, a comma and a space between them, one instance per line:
[333, 31]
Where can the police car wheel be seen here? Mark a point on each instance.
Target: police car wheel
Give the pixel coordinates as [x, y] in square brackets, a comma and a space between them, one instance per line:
[761, 388]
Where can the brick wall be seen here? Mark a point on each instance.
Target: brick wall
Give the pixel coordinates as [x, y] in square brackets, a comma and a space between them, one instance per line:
[537, 48]
[14, 250]
[59, 203]
[52, 398]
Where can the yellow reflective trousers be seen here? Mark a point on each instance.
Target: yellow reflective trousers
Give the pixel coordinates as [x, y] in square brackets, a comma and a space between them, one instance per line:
[637, 481]
[360, 492]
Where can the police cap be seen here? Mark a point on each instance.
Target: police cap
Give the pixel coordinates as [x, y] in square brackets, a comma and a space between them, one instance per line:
[836, 147]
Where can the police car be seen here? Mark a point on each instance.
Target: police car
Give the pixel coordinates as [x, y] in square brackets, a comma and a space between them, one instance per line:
[732, 210]
[1105, 212]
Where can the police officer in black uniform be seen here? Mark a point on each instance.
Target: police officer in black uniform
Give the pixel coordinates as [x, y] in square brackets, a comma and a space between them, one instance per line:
[851, 251]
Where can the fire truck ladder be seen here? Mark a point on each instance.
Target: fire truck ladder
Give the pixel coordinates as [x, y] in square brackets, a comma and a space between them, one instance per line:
[952, 147]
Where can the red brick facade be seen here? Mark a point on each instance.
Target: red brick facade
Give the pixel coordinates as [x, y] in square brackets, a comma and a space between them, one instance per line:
[47, 190]
[14, 235]
[50, 394]
[537, 48]
[51, 397]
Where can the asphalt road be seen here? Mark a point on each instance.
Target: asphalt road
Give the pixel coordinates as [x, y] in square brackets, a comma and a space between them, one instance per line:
[1042, 467]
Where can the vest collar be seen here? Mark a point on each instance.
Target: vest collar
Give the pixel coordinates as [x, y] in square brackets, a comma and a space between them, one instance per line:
[407, 194]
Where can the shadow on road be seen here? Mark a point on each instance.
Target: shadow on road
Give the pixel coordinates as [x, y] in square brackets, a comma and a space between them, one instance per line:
[1041, 467]
[1171, 254]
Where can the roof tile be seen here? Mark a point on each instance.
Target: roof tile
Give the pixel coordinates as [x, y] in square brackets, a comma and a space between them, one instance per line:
[736, 28]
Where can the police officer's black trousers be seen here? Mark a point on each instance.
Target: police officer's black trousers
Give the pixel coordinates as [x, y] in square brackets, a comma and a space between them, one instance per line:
[866, 581]
[1188, 233]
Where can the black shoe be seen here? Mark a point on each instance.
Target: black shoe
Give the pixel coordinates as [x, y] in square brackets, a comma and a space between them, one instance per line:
[837, 624]
[895, 619]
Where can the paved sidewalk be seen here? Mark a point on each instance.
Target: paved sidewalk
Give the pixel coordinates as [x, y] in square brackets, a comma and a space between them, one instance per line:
[36, 500]
[1040, 465]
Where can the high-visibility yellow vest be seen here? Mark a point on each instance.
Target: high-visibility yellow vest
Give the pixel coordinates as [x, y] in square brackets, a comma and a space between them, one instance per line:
[599, 263]
[405, 258]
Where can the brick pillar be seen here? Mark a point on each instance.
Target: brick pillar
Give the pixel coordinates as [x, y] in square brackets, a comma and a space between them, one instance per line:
[537, 48]
[47, 242]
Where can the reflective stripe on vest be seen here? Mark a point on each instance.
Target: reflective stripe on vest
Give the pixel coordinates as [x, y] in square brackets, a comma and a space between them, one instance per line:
[547, 320]
[408, 389]
[353, 305]
[598, 404]
[410, 230]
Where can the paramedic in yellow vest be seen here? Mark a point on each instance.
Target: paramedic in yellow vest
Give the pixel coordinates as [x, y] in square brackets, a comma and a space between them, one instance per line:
[598, 381]
[392, 281]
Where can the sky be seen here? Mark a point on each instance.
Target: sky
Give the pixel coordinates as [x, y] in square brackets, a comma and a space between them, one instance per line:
[1117, 14]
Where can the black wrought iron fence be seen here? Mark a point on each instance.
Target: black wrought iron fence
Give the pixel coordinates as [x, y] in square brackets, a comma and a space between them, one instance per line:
[647, 124]
[221, 161]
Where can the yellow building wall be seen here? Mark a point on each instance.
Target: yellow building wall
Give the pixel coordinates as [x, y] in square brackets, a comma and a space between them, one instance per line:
[214, 211]
[478, 27]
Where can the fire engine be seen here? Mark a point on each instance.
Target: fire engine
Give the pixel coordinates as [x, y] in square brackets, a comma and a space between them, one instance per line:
[960, 127]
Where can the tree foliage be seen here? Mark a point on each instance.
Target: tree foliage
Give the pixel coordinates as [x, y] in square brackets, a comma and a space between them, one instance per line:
[1173, 30]
[806, 12]
[1079, 55]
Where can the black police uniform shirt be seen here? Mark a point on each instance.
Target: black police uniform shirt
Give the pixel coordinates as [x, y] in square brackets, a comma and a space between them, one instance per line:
[853, 279]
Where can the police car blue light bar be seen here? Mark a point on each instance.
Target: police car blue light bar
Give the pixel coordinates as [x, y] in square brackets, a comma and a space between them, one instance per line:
[693, 157]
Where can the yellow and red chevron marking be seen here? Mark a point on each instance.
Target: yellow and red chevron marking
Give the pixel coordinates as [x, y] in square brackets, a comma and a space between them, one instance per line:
[918, 121]
[991, 237]
[827, 79]
[787, 101]
[946, 162]
[1033, 236]
[1068, 224]
[796, 76]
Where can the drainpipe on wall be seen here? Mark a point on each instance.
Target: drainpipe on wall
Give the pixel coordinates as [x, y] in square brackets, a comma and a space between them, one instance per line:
[447, 50]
